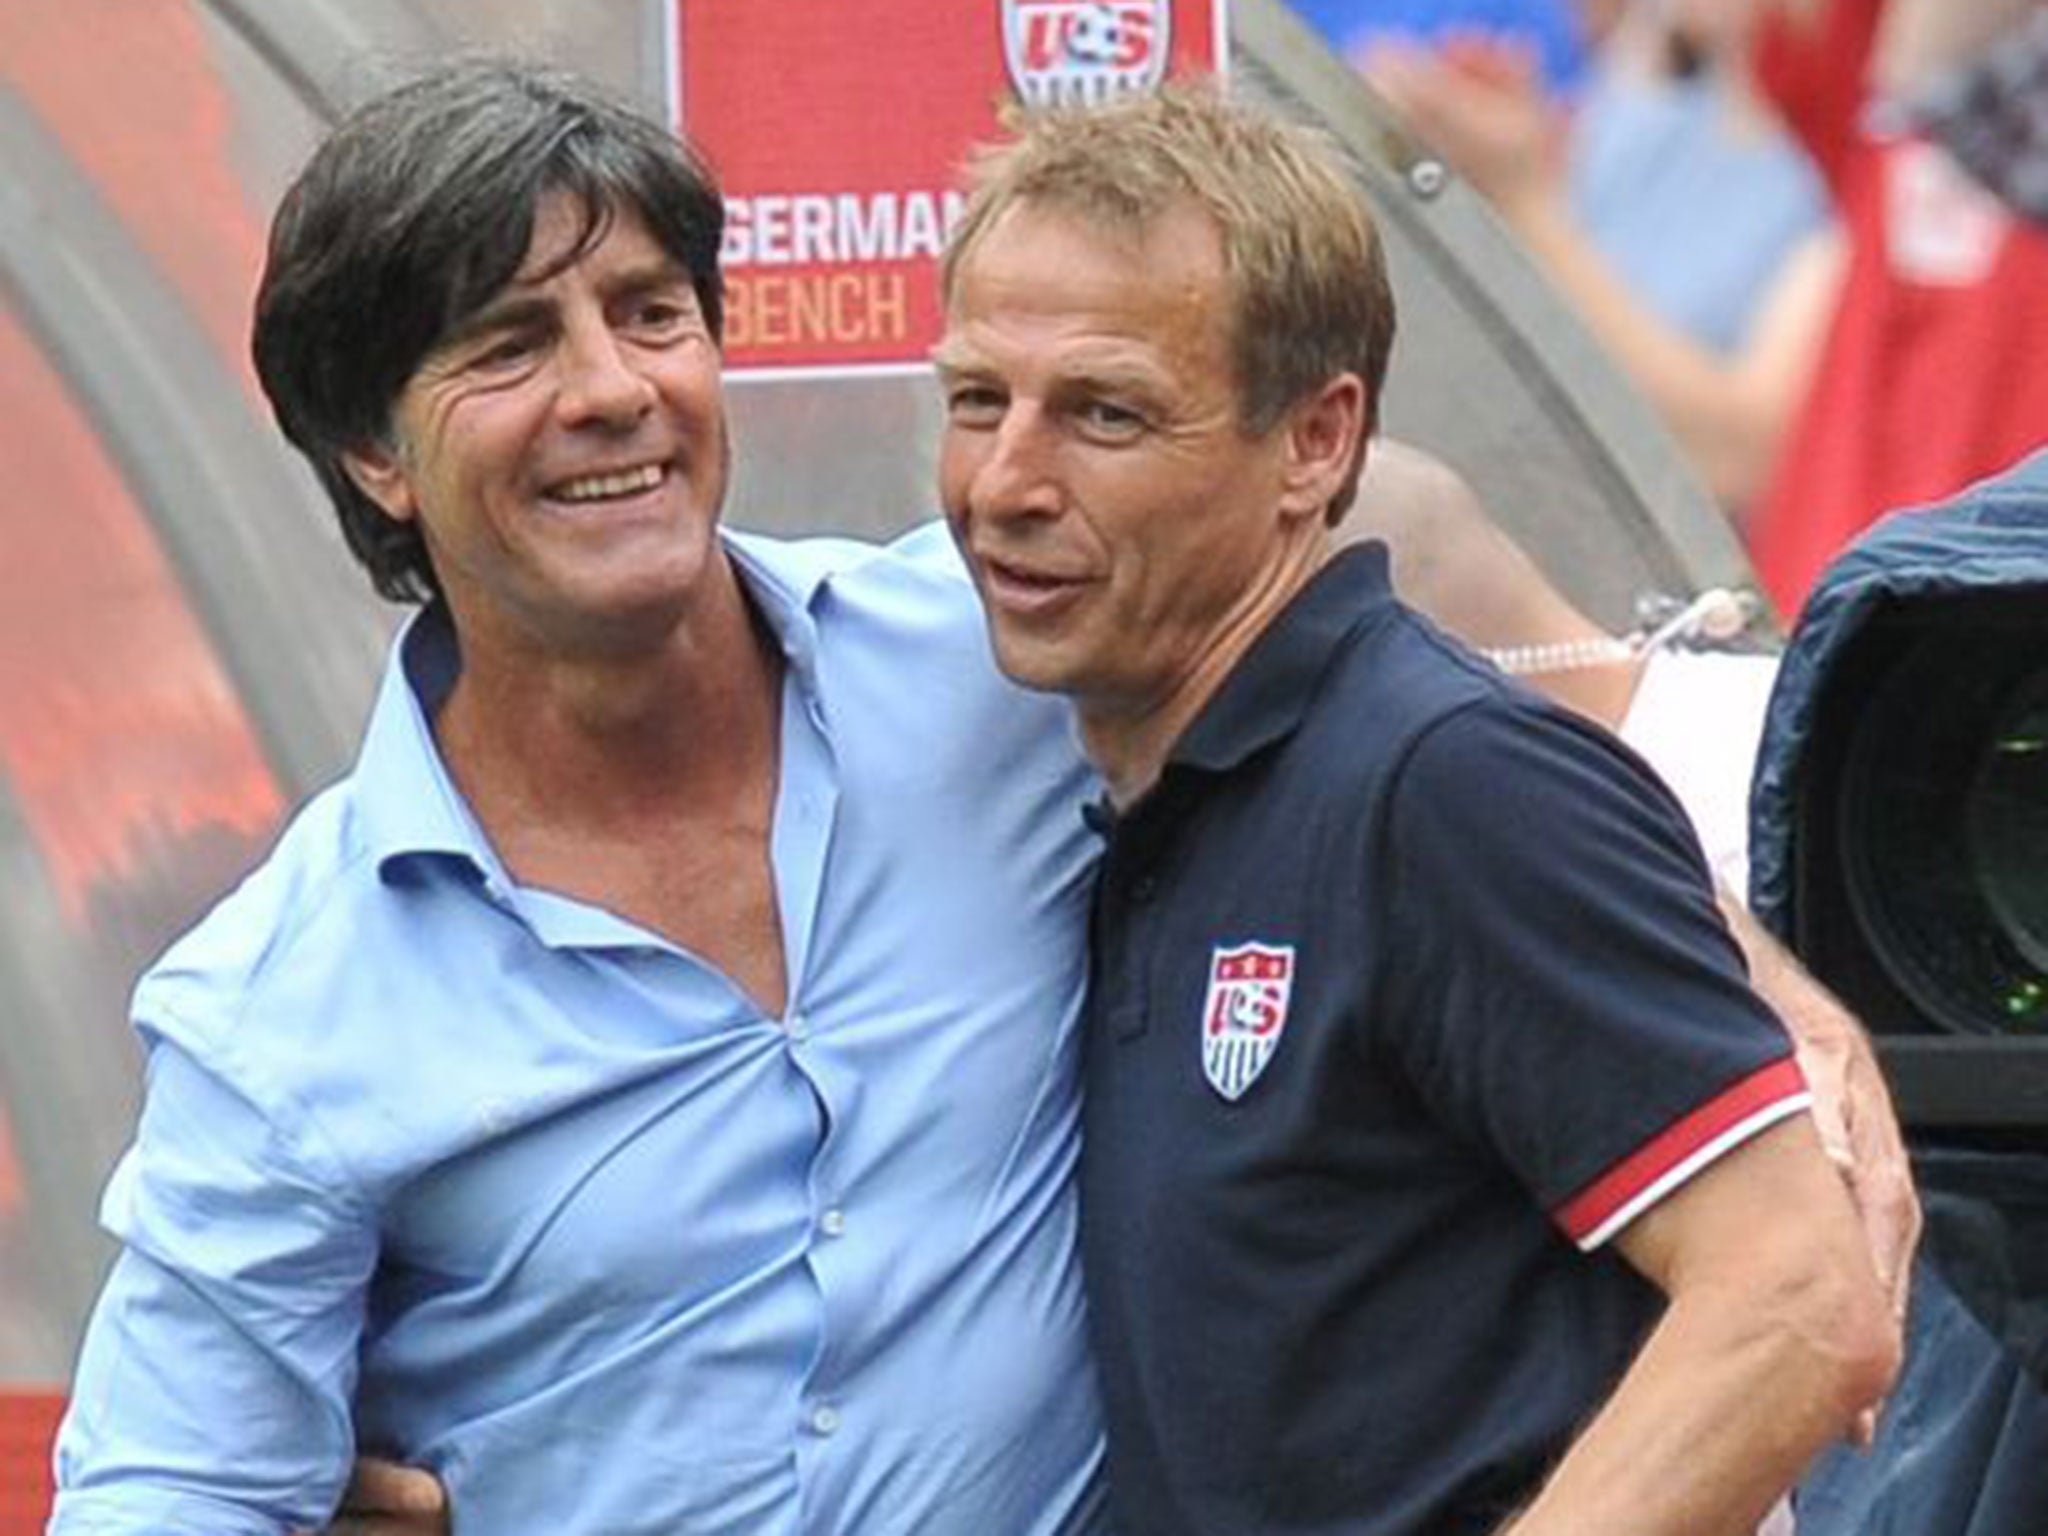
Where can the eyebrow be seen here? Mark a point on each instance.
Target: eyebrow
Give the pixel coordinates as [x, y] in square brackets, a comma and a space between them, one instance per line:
[650, 277]
[954, 359]
[1123, 378]
[501, 314]
[1117, 377]
[523, 304]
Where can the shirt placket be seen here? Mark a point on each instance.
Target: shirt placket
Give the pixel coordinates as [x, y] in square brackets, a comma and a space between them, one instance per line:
[806, 804]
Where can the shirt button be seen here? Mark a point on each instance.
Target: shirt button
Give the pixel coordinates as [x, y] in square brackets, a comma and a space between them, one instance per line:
[824, 1419]
[833, 1222]
[1144, 888]
[798, 1028]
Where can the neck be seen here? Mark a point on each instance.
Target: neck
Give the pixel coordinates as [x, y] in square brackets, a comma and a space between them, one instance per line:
[1130, 739]
[610, 736]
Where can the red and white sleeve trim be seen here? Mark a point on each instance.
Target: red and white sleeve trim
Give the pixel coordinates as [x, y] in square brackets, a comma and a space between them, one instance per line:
[1681, 1150]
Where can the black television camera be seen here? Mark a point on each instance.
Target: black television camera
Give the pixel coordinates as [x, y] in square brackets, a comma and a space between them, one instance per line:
[1899, 845]
[1900, 822]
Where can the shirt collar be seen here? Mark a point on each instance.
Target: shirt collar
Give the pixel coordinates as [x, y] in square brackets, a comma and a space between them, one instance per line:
[784, 578]
[1268, 692]
[408, 805]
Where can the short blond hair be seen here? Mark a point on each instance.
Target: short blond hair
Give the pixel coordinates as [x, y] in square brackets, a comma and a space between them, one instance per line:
[1307, 275]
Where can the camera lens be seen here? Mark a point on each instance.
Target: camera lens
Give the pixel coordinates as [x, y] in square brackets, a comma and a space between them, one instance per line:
[1943, 823]
[2008, 823]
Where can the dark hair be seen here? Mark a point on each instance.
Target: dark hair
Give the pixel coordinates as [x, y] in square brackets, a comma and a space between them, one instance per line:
[414, 214]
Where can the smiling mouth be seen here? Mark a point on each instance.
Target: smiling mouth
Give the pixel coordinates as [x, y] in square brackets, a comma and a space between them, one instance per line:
[1016, 587]
[1022, 577]
[613, 485]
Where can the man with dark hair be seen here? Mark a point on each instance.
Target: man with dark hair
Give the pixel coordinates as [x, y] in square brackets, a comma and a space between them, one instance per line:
[1441, 1175]
[642, 1092]
[399, 231]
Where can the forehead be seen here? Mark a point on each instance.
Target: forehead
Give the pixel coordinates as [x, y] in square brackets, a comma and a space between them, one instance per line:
[1046, 274]
[568, 231]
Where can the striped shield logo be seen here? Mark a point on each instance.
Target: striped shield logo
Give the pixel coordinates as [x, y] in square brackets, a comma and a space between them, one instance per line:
[1245, 1012]
[1068, 53]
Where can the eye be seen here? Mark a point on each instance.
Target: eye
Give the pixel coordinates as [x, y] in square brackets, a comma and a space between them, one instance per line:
[1109, 420]
[505, 351]
[971, 403]
[663, 316]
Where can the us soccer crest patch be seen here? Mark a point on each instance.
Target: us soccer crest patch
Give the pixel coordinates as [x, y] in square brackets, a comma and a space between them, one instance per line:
[1244, 1013]
[1065, 53]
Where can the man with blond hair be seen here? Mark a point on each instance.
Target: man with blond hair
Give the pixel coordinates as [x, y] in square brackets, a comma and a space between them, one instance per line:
[1441, 1174]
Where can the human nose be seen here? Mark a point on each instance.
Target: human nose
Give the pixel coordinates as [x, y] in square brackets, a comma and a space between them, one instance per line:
[599, 381]
[1015, 473]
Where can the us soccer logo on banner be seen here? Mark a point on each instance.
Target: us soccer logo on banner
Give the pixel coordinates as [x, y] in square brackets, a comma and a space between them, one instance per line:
[838, 132]
[1080, 52]
[1244, 1014]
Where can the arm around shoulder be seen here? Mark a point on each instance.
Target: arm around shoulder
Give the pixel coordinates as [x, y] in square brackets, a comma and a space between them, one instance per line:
[1852, 1108]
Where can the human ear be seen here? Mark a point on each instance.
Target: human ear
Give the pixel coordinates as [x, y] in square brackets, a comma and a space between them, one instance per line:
[1323, 432]
[378, 470]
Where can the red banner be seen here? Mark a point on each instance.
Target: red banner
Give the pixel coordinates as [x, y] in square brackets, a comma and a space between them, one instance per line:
[28, 1428]
[838, 131]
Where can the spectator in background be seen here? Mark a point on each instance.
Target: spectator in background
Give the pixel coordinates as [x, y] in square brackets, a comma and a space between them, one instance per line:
[1931, 374]
[1671, 209]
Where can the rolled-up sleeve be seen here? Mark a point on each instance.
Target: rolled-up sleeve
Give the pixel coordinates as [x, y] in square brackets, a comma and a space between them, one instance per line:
[212, 1395]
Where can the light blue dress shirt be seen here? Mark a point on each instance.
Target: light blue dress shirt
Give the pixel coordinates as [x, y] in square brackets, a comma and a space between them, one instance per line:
[560, 1212]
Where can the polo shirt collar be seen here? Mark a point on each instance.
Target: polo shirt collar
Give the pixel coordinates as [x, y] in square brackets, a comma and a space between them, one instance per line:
[1269, 691]
[406, 803]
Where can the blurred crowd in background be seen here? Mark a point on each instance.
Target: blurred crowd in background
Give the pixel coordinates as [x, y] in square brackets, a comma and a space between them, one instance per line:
[1811, 230]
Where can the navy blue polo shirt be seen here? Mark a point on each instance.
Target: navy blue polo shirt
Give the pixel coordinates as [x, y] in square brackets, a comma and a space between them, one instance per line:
[1409, 991]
